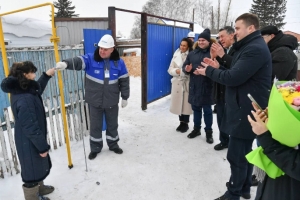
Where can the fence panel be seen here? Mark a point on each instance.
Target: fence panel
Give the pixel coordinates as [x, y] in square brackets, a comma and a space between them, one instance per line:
[162, 41]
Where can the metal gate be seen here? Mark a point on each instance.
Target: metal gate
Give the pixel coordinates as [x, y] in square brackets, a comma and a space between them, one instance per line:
[162, 42]
[91, 38]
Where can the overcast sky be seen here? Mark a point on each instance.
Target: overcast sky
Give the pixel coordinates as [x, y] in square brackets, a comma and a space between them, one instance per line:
[98, 8]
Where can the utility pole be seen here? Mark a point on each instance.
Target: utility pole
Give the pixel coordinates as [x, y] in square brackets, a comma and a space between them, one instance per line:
[218, 22]
[212, 19]
[227, 12]
[193, 15]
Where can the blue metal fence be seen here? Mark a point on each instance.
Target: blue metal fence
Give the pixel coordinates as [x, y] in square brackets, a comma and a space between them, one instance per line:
[162, 42]
[92, 37]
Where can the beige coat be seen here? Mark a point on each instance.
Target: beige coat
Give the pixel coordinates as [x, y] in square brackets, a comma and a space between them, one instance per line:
[180, 85]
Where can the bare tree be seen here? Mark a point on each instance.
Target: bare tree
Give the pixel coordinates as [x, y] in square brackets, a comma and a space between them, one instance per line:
[120, 34]
[227, 12]
[136, 29]
[212, 20]
[174, 9]
[203, 9]
[218, 16]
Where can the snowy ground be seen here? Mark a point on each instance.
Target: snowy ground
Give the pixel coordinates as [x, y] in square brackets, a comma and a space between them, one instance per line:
[158, 163]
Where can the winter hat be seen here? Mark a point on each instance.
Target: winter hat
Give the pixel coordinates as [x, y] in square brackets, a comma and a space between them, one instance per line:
[268, 30]
[205, 34]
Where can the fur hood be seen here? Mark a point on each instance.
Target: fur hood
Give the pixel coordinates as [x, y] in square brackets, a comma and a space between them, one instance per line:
[114, 55]
[11, 85]
[212, 40]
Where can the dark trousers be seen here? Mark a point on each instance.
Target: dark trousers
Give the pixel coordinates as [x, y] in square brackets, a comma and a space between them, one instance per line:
[96, 120]
[220, 106]
[208, 116]
[184, 118]
[241, 170]
[30, 185]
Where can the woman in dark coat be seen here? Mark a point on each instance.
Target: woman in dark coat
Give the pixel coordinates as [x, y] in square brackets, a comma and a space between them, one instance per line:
[285, 187]
[30, 126]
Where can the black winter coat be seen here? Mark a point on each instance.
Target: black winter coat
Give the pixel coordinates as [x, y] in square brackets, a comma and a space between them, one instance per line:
[284, 60]
[286, 187]
[201, 87]
[225, 61]
[250, 72]
[30, 127]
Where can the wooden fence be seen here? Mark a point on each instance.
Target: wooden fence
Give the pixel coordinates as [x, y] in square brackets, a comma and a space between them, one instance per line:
[76, 109]
[78, 123]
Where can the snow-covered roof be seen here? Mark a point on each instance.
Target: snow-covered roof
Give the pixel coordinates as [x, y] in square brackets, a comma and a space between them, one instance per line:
[20, 31]
[197, 27]
[26, 27]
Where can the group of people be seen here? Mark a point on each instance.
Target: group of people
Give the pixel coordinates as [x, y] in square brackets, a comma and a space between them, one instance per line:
[244, 60]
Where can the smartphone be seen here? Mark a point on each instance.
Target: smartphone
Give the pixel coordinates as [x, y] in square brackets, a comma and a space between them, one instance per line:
[255, 103]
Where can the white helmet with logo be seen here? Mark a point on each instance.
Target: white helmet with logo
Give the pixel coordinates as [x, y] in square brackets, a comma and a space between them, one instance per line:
[106, 41]
[191, 34]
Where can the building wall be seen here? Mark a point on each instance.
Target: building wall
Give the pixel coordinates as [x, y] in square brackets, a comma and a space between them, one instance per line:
[70, 30]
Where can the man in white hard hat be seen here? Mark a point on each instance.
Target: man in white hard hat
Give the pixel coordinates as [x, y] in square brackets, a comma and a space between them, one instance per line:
[106, 77]
[191, 36]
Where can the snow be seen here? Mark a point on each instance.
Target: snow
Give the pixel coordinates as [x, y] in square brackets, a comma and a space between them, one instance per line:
[22, 31]
[157, 163]
[197, 28]
[131, 50]
[28, 27]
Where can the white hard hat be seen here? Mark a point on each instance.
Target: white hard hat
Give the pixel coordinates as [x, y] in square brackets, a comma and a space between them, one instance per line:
[191, 34]
[106, 41]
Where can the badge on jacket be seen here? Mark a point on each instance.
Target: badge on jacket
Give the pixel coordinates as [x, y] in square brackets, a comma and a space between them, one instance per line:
[106, 73]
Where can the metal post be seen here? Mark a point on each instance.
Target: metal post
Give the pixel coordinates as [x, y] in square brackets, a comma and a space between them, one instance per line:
[112, 21]
[55, 40]
[3, 50]
[144, 46]
[193, 15]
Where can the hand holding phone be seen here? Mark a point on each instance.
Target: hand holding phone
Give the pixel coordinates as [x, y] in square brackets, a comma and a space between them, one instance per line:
[256, 104]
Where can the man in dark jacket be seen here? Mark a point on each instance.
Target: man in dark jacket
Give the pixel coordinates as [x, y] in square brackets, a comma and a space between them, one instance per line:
[200, 87]
[226, 38]
[281, 46]
[250, 73]
[106, 77]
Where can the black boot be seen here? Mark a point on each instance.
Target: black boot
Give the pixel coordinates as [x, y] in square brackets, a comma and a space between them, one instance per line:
[93, 155]
[194, 133]
[179, 127]
[117, 150]
[209, 138]
[184, 127]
